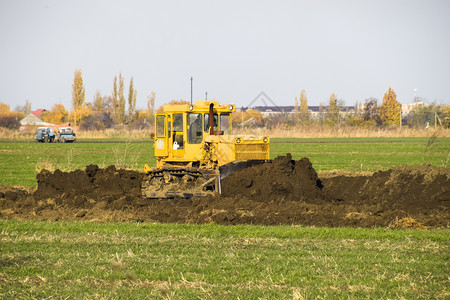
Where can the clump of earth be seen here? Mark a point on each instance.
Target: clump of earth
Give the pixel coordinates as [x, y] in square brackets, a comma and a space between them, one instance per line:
[283, 191]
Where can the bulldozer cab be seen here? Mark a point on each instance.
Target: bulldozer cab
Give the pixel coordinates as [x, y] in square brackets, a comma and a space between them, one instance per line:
[180, 130]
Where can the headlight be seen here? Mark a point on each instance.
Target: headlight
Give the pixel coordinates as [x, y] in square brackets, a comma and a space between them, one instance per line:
[265, 139]
[191, 107]
[230, 107]
[238, 140]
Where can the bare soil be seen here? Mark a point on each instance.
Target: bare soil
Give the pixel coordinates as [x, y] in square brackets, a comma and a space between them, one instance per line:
[282, 191]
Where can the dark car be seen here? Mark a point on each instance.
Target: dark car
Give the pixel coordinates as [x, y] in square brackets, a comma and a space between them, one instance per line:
[45, 135]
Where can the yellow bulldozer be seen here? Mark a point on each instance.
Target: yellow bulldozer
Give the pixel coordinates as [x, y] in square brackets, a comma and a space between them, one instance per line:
[195, 149]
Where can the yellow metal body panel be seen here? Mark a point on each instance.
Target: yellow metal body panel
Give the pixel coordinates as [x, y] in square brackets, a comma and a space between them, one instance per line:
[239, 147]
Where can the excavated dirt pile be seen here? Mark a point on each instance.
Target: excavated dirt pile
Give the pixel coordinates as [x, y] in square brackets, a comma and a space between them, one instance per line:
[283, 191]
[282, 179]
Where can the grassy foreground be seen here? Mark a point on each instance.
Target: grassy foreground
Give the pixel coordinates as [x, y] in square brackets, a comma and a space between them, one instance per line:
[21, 160]
[141, 260]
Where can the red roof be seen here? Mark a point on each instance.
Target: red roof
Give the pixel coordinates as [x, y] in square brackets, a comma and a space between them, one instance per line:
[38, 112]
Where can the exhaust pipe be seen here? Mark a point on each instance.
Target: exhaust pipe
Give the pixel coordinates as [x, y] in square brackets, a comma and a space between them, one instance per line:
[211, 119]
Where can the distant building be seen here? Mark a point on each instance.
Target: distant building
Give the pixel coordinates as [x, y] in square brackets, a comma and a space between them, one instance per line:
[273, 111]
[407, 108]
[289, 111]
[33, 120]
[38, 112]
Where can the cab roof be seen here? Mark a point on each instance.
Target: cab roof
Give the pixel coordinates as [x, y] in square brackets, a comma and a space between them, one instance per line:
[199, 106]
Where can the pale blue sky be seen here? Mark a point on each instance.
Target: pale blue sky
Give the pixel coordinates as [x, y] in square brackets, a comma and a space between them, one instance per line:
[233, 49]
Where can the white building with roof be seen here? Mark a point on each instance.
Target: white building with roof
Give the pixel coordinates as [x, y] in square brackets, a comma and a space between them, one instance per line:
[32, 120]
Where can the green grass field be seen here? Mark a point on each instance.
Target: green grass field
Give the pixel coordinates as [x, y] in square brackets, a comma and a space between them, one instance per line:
[167, 261]
[21, 160]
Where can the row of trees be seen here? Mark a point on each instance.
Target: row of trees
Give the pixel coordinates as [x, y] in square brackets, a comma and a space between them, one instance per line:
[369, 114]
[117, 110]
[108, 111]
[101, 113]
[372, 113]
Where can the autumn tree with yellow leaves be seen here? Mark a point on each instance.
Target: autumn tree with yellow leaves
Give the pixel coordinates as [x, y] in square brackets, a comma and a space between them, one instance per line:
[333, 110]
[390, 109]
[97, 103]
[4, 110]
[78, 95]
[10, 119]
[57, 115]
[447, 116]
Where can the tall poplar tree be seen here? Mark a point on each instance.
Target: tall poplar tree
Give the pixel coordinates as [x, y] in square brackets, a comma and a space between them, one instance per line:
[121, 107]
[115, 99]
[304, 112]
[131, 101]
[333, 109]
[118, 100]
[78, 93]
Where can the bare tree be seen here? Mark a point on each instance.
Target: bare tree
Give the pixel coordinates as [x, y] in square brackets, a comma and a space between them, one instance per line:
[151, 106]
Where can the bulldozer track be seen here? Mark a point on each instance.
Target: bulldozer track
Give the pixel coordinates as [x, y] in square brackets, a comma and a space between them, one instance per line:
[185, 182]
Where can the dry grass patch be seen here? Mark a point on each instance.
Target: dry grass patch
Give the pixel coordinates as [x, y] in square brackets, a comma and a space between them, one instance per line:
[406, 222]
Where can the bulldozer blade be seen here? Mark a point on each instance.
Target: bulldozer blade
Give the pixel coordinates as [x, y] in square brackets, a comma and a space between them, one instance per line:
[238, 165]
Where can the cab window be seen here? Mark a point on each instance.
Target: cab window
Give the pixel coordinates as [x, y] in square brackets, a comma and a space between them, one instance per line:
[160, 129]
[169, 127]
[225, 123]
[178, 131]
[195, 132]
[177, 122]
[215, 122]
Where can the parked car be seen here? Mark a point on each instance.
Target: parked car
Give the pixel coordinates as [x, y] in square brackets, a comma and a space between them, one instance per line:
[66, 135]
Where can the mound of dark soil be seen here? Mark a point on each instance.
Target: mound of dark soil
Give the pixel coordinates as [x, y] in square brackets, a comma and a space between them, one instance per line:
[282, 178]
[419, 192]
[93, 181]
[283, 191]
